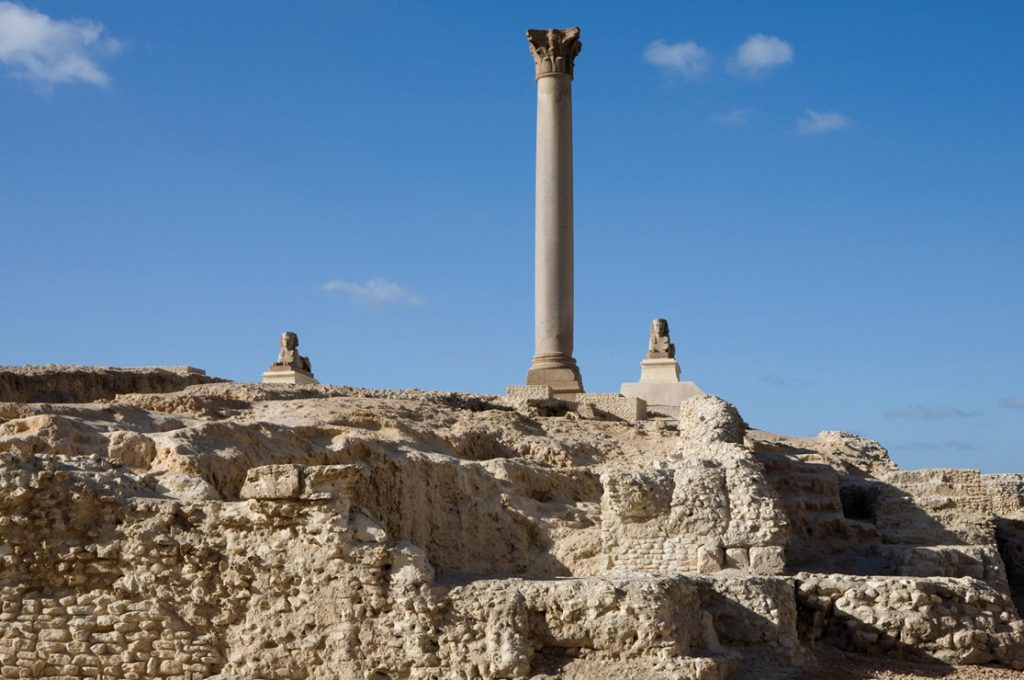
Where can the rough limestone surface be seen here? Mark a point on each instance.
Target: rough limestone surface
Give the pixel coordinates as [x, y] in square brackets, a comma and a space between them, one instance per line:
[597, 405]
[237, 530]
[74, 384]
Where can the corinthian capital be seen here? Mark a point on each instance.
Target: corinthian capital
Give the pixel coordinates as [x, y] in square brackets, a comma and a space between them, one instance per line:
[553, 49]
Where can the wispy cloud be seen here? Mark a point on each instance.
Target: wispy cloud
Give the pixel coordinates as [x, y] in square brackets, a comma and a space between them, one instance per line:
[952, 444]
[918, 412]
[1012, 402]
[820, 122]
[378, 292]
[761, 53]
[687, 59]
[52, 51]
[735, 117]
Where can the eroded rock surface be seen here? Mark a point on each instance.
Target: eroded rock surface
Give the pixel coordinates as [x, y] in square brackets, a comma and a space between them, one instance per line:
[235, 530]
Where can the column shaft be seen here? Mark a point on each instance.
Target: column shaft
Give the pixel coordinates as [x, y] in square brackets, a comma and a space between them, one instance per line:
[554, 219]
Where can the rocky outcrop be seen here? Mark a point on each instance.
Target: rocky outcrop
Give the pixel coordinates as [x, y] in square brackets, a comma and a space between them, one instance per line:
[232, 530]
[81, 384]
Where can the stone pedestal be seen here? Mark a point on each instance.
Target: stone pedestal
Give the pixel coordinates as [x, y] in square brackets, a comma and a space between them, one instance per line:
[286, 376]
[659, 371]
[554, 52]
[291, 368]
[659, 384]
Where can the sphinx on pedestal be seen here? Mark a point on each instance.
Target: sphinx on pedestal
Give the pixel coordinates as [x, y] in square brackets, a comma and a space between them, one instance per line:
[659, 382]
[291, 368]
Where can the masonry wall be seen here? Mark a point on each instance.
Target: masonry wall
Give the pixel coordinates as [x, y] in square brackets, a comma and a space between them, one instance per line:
[698, 515]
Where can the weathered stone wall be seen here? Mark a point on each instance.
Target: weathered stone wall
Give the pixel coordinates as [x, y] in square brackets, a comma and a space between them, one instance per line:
[1007, 493]
[707, 508]
[951, 620]
[697, 516]
[935, 507]
[810, 496]
[919, 523]
[98, 635]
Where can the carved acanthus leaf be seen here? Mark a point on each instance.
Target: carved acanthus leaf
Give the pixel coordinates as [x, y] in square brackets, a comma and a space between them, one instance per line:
[554, 50]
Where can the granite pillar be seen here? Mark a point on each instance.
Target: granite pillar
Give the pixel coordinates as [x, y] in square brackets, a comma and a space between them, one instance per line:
[554, 52]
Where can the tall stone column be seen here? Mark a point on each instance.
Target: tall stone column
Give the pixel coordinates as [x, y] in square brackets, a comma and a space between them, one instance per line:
[554, 52]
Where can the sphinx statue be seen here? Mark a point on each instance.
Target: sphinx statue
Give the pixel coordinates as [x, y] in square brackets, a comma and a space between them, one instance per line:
[289, 355]
[659, 385]
[660, 346]
[290, 367]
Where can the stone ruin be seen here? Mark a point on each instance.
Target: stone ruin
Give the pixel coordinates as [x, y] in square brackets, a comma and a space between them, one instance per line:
[244, 530]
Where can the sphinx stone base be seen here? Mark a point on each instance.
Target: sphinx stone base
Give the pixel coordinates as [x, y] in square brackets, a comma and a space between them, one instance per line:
[659, 370]
[564, 381]
[289, 377]
[661, 393]
[660, 385]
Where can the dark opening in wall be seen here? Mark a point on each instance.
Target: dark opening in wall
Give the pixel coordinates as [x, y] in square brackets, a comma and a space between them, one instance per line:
[858, 502]
[1010, 539]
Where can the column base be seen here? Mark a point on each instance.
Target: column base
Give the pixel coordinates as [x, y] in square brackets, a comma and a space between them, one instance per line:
[562, 375]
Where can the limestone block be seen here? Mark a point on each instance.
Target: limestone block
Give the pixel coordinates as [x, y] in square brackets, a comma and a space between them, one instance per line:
[409, 565]
[737, 558]
[634, 495]
[710, 558]
[132, 449]
[186, 487]
[629, 409]
[272, 482]
[522, 396]
[529, 392]
[767, 560]
[320, 482]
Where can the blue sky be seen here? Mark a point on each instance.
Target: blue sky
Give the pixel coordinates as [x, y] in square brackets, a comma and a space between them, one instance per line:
[824, 199]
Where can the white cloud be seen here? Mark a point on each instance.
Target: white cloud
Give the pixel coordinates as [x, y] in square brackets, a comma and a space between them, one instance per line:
[688, 59]
[374, 292]
[918, 412]
[816, 123]
[734, 117]
[761, 53]
[36, 47]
